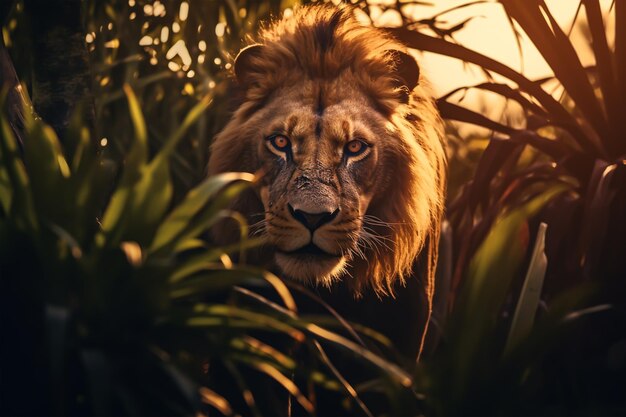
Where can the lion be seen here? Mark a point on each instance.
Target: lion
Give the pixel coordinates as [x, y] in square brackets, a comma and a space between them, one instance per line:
[344, 129]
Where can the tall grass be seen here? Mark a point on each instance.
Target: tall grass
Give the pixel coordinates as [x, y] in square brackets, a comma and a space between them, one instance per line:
[564, 170]
[104, 259]
[114, 302]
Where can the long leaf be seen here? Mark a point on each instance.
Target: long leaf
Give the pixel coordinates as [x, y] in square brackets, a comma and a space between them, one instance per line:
[596, 214]
[149, 202]
[191, 118]
[213, 399]
[395, 372]
[608, 82]
[208, 217]
[208, 260]
[113, 221]
[554, 148]
[490, 274]
[347, 386]
[285, 382]
[557, 111]
[620, 48]
[176, 222]
[505, 91]
[462, 114]
[22, 203]
[528, 301]
[494, 157]
[560, 54]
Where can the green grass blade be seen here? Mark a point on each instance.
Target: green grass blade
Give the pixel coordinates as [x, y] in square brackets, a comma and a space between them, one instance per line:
[149, 203]
[22, 204]
[191, 118]
[214, 279]
[487, 285]
[285, 382]
[179, 219]
[139, 123]
[5, 190]
[528, 302]
[209, 258]
[113, 221]
[346, 385]
[206, 218]
[394, 371]
[49, 174]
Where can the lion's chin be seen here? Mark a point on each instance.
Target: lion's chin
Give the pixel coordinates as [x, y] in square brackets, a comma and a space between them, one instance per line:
[311, 269]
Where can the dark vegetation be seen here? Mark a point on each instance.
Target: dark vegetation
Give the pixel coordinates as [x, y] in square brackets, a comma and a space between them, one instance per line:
[109, 288]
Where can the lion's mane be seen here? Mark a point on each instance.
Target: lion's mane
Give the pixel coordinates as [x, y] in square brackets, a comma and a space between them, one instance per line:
[320, 43]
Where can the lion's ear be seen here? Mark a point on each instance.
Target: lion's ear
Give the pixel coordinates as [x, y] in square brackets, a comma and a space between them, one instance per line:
[407, 72]
[247, 63]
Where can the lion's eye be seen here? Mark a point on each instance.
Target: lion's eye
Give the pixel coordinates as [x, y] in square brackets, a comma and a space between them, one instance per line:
[279, 144]
[355, 148]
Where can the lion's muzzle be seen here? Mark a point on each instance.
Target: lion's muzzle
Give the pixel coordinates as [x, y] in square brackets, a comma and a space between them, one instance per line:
[313, 221]
[314, 200]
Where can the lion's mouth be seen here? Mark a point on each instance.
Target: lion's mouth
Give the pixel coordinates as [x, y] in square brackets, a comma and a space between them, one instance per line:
[311, 250]
[310, 263]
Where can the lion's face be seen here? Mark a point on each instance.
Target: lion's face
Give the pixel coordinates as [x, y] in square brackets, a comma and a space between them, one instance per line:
[320, 148]
[348, 141]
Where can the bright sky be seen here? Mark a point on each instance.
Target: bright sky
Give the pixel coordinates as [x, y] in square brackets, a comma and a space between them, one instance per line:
[490, 33]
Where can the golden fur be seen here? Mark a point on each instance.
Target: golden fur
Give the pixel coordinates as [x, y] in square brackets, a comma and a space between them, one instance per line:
[321, 79]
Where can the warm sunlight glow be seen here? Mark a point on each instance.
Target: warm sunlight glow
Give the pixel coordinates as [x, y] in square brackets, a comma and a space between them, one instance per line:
[145, 41]
[188, 89]
[165, 34]
[220, 29]
[490, 33]
[180, 49]
[184, 11]
[158, 9]
[113, 44]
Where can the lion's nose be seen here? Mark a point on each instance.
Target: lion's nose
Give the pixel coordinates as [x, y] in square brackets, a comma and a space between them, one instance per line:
[313, 221]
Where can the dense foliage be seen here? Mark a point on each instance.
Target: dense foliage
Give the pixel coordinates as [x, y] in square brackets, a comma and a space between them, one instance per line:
[113, 302]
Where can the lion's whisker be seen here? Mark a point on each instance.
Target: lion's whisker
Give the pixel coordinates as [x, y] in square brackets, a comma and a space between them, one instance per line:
[372, 232]
[259, 227]
[260, 213]
[375, 240]
[368, 218]
[380, 242]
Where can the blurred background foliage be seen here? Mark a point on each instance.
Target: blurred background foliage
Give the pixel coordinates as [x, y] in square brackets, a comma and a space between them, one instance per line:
[103, 218]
